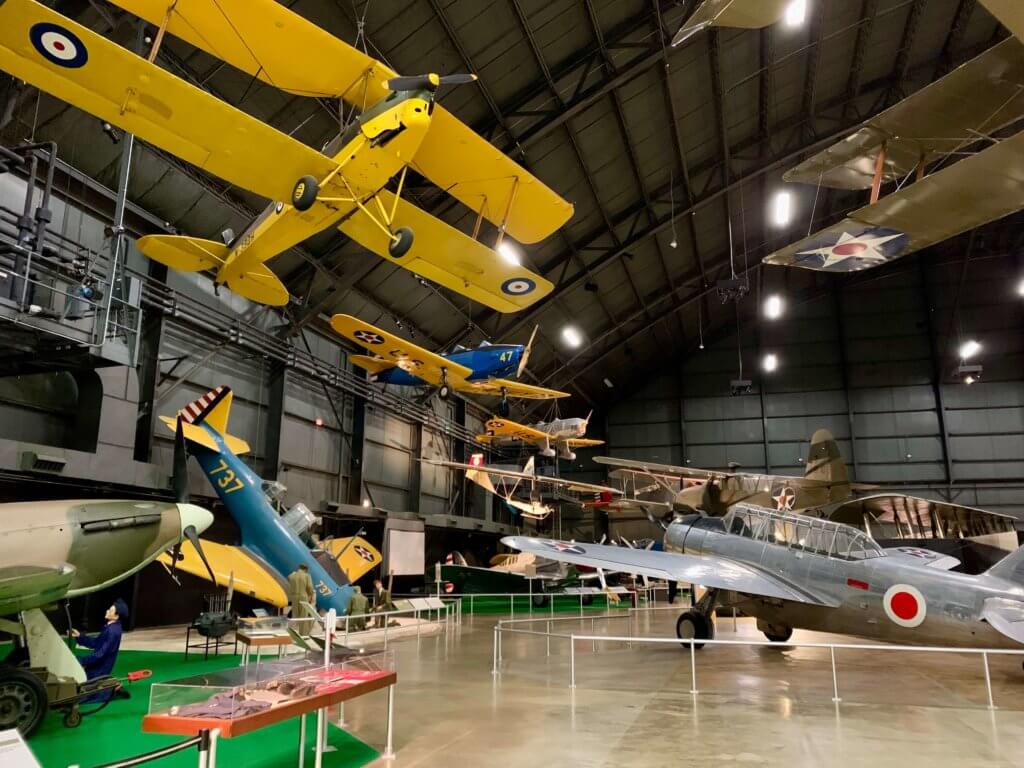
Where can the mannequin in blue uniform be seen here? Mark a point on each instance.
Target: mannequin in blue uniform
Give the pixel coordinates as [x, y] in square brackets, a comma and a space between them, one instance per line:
[106, 644]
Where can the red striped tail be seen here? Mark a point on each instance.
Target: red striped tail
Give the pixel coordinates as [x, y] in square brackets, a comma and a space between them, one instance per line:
[197, 411]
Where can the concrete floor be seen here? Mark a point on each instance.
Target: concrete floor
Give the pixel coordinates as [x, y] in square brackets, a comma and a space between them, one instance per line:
[633, 707]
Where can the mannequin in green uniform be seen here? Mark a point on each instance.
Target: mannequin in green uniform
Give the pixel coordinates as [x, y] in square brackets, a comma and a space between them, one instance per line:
[300, 590]
[358, 605]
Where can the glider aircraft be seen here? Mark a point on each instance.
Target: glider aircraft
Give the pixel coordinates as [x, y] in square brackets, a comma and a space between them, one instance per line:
[484, 370]
[509, 482]
[272, 545]
[557, 437]
[346, 186]
[795, 572]
[743, 14]
[974, 111]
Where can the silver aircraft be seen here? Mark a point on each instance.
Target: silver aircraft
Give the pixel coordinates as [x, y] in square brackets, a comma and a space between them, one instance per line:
[794, 571]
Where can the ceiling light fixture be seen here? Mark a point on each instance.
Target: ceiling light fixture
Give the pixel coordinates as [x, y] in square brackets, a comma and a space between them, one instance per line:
[571, 336]
[608, 383]
[969, 349]
[770, 363]
[774, 307]
[509, 253]
[796, 13]
[782, 209]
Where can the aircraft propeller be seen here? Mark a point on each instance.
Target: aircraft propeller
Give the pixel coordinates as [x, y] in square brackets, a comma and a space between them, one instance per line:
[428, 82]
[526, 353]
[179, 479]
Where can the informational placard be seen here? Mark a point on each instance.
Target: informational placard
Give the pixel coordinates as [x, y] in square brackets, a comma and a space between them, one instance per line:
[404, 548]
[14, 752]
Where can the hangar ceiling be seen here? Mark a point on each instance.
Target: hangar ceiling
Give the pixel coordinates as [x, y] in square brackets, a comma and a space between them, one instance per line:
[660, 150]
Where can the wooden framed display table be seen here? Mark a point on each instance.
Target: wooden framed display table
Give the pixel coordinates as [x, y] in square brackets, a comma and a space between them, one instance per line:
[259, 641]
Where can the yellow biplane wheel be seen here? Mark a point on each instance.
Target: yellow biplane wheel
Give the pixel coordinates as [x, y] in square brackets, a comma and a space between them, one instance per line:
[305, 192]
[444, 392]
[399, 247]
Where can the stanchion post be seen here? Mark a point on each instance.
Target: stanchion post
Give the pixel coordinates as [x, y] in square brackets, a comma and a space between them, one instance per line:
[511, 605]
[835, 678]
[693, 667]
[549, 637]
[988, 681]
[572, 660]
[389, 749]
[494, 665]
[214, 736]
[204, 748]
[302, 740]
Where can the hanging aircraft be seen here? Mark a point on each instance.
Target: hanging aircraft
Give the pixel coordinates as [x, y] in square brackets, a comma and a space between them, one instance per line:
[58, 550]
[272, 544]
[824, 490]
[346, 186]
[795, 572]
[557, 437]
[974, 112]
[480, 371]
[509, 483]
[742, 14]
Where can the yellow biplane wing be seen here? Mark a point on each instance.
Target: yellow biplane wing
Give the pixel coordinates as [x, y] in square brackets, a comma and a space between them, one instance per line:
[510, 430]
[446, 256]
[398, 352]
[977, 98]
[267, 40]
[77, 65]
[507, 387]
[251, 577]
[357, 556]
[583, 442]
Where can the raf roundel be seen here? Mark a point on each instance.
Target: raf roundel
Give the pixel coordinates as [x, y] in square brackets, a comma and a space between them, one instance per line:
[58, 45]
[518, 286]
[905, 605]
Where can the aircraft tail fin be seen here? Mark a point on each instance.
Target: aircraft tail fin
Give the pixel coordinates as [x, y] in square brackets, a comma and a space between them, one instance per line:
[212, 410]
[1010, 568]
[825, 463]
[185, 254]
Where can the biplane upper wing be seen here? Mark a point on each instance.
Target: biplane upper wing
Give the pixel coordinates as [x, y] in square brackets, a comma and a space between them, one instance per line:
[398, 352]
[974, 191]
[512, 474]
[87, 70]
[583, 442]
[1010, 14]
[508, 387]
[897, 508]
[745, 14]
[977, 98]
[446, 256]
[250, 575]
[267, 40]
[503, 428]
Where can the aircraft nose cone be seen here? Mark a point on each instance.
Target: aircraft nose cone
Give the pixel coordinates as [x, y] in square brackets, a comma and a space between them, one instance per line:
[195, 516]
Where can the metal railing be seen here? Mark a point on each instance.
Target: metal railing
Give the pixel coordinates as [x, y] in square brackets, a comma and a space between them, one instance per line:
[205, 742]
[632, 638]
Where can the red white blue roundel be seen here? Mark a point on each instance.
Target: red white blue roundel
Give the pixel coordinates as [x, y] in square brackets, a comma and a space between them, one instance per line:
[561, 546]
[58, 45]
[905, 605]
[369, 337]
[852, 249]
[518, 286]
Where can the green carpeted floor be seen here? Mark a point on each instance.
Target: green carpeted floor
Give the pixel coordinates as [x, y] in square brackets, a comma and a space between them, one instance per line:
[116, 732]
[562, 604]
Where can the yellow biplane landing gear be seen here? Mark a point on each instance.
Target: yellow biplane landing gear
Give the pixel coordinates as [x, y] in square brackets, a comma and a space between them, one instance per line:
[444, 391]
[401, 243]
[305, 192]
[503, 407]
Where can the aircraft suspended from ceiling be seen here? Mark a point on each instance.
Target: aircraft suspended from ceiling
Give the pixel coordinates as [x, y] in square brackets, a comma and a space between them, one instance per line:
[400, 127]
[484, 370]
[975, 111]
[740, 14]
[553, 438]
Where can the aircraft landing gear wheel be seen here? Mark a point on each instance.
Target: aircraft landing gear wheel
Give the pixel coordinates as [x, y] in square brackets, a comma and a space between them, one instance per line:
[304, 193]
[587, 599]
[503, 409]
[398, 248]
[778, 634]
[23, 701]
[444, 392]
[539, 601]
[72, 718]
[694, 625]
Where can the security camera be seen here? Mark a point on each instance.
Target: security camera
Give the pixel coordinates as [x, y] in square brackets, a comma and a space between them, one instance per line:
[732, 289]
[739, 387]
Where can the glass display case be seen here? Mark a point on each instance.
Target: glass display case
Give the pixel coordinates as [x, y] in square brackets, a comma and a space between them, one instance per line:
[239, 692]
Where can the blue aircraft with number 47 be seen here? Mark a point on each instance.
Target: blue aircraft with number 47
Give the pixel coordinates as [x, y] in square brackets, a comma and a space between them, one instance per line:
[484, 370]
[272, 544]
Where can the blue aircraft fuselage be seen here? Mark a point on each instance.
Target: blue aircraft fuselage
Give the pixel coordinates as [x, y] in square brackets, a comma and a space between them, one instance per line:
[495, 361]
[264, 534]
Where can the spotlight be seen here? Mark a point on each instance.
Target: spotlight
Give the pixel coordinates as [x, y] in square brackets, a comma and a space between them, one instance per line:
[1020, 287]
[739, 387]
[770, 363]
[782, 209]
[571, 336]
[319, 422]
[673, 243]
[969, 349]
[509, 253]
[366, 503]
[968, 374]
[608, 383]
[773, 307]
[112, 133]
[796, 12]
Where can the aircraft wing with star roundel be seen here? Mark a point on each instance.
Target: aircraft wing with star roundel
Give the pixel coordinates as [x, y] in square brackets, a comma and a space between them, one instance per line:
[88, 71]
[401, 353]
[510, 430]
[508, 387]
[706, 570]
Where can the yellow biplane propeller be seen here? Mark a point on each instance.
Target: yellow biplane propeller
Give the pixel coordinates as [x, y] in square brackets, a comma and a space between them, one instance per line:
[428, 82]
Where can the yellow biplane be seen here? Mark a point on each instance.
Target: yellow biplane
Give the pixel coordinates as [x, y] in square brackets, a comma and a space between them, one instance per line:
[400, 126]
[553, 438]
[484, 370]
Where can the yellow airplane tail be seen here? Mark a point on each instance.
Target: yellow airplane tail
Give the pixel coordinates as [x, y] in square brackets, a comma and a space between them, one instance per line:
[257, 282]
[185, 254]
[371, 364]
[212, 409]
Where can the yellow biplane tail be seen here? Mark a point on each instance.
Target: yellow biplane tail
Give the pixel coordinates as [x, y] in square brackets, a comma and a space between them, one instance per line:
[212, 409]
[185, 254]
[371, 364]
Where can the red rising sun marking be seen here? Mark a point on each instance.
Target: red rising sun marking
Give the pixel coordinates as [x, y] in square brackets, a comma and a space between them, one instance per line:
[849, 249]
[904, 605]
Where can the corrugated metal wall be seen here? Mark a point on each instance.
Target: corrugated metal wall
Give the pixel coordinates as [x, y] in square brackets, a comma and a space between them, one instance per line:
[875, 364]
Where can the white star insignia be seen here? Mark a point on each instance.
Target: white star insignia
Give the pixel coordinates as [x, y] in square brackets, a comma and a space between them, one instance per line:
[847, 249]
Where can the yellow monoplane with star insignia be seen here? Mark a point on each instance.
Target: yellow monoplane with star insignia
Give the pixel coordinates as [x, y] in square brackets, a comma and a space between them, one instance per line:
[485, 370]
[974, 112]
[400, 126]
[554, 438]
